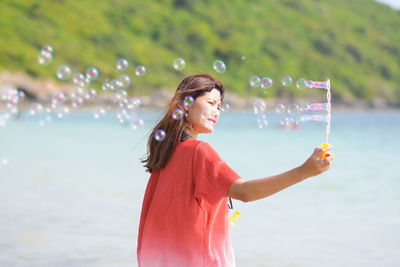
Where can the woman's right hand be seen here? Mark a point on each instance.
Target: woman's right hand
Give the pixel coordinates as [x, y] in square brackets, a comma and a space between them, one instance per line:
[315, 165]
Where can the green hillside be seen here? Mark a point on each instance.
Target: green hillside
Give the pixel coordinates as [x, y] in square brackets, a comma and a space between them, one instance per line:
[354, 43]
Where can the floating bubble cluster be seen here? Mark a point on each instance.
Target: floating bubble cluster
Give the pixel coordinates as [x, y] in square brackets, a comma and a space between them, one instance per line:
[117, 97]
[12, 97]
[219, 66]
[259, 108]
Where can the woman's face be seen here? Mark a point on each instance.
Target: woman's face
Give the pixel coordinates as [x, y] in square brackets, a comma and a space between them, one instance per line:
[204, 113]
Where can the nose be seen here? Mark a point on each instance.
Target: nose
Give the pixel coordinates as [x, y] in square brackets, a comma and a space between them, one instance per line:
[215, 114]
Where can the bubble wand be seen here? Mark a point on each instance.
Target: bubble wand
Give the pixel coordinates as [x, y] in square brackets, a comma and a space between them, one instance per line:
[327, 86]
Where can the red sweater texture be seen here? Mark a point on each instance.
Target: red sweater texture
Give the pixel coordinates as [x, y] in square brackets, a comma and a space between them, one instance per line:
[184, 219]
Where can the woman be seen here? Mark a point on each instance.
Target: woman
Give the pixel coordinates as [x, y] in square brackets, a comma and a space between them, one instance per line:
[184, 219]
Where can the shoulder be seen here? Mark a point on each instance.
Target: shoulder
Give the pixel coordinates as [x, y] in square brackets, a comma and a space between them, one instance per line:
[205, 151]
[201, 149]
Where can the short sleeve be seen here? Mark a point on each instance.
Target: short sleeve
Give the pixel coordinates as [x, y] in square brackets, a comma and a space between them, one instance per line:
[212, 176]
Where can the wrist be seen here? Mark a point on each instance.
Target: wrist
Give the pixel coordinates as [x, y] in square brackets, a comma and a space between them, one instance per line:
[302, 172]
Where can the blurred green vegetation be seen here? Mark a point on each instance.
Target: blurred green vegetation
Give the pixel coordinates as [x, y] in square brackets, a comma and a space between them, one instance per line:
[354, 43]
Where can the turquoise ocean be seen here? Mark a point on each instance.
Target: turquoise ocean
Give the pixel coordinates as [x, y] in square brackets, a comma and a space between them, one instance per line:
[72, 191]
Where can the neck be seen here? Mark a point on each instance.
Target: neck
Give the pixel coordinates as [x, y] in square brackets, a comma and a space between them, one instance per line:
[190, 131]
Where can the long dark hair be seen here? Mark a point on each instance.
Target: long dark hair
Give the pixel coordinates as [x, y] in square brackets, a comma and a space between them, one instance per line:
[158, 153]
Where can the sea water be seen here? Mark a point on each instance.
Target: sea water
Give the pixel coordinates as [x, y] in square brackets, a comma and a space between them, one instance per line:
[72, 191]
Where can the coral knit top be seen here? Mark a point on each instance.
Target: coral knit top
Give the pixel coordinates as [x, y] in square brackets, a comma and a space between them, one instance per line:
[184, 219]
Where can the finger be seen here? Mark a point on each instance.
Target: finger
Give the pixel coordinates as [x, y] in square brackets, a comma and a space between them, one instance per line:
[318, 152]
[330, 157]
[326, 149]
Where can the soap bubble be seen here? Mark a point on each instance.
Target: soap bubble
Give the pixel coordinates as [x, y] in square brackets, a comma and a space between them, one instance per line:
[262, 121]
[92, 73]
[47, 48]
[160, 135]
[289, 124]
[188, 101]
[309, 83]
[258, 106]
[63, 72]
[35, 109]
[133, 102]
[90, 94]
[3, 161]
[219, 66]
[254, 81]
[78, 78]
[301, 83]
[292, 108]
[225, 107]
[124, 81]
[85, 82]
[136, 123]
[115, 85]
[50, 108]
[177, 114]
[100, 112]
[179, 64]
[77, 101]
[140, 71]
[305, 108]
[280, 108]
[59, 98]
[266, 83]
[287, 81]
[45, 58]
[106, 86]
[62, 111]
[120, 95]
[122, 64]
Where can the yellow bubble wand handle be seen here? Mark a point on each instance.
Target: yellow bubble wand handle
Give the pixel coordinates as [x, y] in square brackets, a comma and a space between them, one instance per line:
[233, 219]
[326, 154]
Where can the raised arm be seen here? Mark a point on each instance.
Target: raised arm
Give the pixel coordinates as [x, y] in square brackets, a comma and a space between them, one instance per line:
[259, 188]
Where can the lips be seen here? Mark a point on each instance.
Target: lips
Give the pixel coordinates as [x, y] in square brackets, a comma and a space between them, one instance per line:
[213, 121]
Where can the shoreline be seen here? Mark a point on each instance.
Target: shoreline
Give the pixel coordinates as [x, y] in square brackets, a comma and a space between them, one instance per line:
[40, 91]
